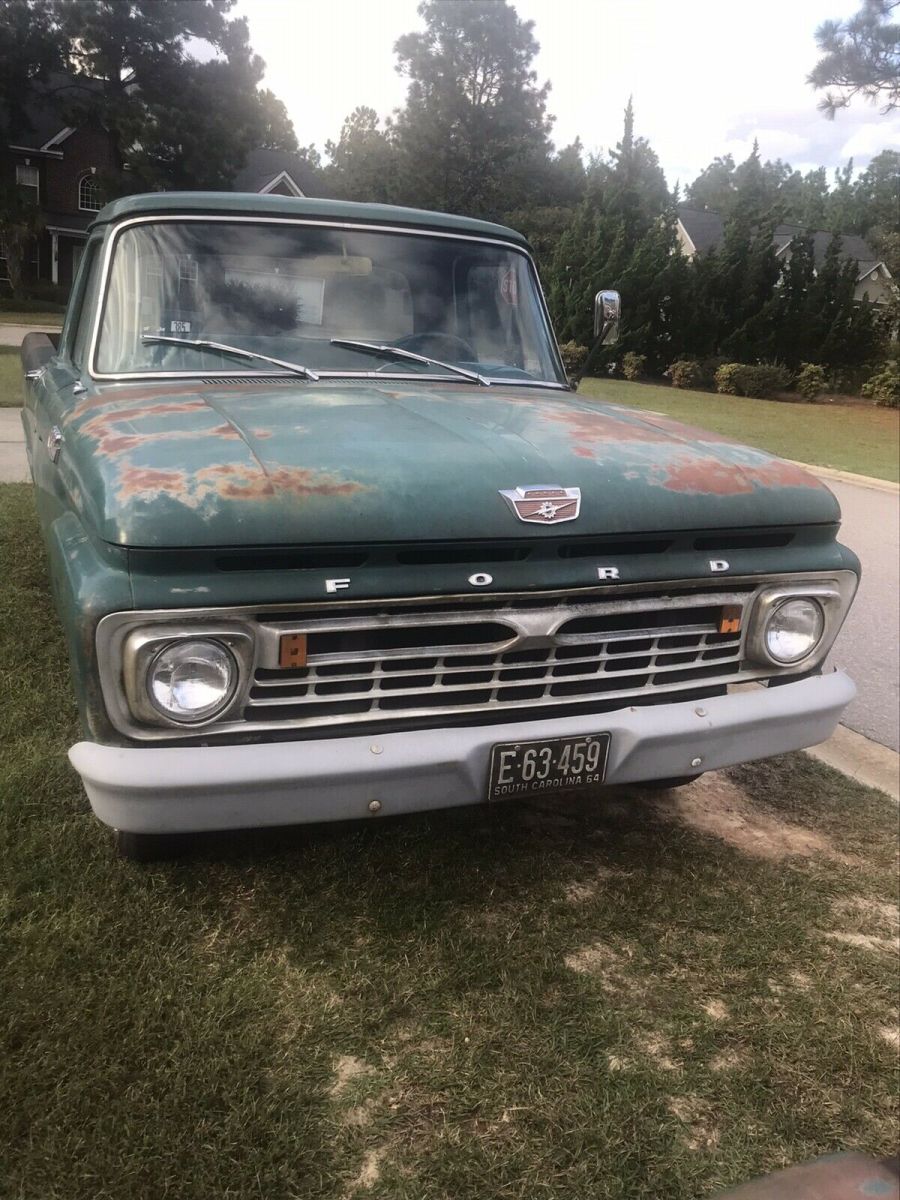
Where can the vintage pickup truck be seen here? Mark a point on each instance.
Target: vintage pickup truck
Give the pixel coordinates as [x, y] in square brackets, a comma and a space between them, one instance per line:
[331, 535]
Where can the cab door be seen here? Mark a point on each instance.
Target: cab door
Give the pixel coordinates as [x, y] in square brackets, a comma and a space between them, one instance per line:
[52, 391]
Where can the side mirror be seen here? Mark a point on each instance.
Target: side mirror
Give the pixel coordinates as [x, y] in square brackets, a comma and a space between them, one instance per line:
[607, 312]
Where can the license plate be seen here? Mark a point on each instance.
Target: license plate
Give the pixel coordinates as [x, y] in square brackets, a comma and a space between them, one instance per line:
[550, 765]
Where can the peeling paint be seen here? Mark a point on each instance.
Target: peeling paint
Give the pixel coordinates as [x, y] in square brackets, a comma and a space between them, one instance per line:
[713, 478]
[148, 482]
[241, 482]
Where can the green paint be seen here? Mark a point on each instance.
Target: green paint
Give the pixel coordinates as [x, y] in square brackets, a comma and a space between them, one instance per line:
[159, 482]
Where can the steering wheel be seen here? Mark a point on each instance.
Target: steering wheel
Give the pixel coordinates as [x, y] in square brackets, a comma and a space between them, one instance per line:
[435, 344]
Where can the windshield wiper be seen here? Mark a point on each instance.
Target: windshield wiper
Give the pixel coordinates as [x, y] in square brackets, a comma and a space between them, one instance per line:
[152, 339]
[396, 352]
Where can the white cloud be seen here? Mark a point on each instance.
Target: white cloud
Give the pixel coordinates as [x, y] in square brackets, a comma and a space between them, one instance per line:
[867, 140]
[706, 75]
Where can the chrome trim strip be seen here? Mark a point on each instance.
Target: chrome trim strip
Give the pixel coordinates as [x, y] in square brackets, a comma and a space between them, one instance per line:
[113, 232]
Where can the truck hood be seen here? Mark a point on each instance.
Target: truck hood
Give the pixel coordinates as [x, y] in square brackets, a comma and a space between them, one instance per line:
[197, 465]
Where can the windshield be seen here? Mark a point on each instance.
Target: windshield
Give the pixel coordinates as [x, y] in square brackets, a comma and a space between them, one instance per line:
[292, 291]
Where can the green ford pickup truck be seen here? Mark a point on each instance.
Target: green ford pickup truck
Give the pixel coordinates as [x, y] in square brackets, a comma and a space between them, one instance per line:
[331, 535]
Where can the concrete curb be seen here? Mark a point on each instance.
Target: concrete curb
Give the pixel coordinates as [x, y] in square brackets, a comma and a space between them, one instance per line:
[859, 758]
[869, 481]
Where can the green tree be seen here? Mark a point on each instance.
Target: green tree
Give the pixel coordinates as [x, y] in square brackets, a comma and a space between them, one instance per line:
[475, 126]
[860, 57]
[363, 162]
[32, 46]
[173, 119]
[277, 131]
[20, 223]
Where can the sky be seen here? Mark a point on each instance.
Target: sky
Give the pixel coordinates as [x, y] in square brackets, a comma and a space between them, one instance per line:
[707, 76]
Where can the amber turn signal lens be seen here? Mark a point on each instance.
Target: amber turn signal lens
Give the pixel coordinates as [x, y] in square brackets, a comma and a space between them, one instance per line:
[292, 650]
[730, 618]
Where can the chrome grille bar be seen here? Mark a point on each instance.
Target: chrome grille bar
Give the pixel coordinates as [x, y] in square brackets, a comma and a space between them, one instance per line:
[570, 652]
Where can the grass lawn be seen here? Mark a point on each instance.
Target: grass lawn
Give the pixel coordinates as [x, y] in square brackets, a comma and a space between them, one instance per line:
[850, 437]
[10, 377]
[621, 997]
[32, 318]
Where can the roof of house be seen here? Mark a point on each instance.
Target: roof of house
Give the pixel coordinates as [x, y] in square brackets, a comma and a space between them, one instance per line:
[264, 166]
[345, 211]
[45, 110]
[706, 229]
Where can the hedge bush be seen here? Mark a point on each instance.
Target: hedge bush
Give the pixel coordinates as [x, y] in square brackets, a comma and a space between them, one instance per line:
[685, 373]
[573, 356]
[727, 377]
[757, 379]
[633, 365]
[811, 380]
[884, 386]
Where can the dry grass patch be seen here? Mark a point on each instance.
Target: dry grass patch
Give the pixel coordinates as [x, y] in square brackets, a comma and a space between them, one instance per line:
[865, 941]
[610, 967]
[728, 1060]
[370, 1171]
[715, 806]
[658, 1048]
[701, 1132]
[868, 909]
[347, 1069]
[716, 1010]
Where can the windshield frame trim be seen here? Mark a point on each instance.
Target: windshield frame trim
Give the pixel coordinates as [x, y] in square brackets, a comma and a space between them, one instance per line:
[116, 230]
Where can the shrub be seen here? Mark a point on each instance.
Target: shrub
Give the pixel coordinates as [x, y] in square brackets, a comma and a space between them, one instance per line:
[765, 379]
[685, 373]
[884, 386]
[757, 379]
[727, 378]
[633, 365]
[708, 368]
[573, 356]
[810, 381]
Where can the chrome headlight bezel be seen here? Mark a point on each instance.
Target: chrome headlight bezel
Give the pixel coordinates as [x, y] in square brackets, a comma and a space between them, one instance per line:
[141, 649]
[832, 599]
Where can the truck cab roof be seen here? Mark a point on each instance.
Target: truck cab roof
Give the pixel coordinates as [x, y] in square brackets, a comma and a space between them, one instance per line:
[302, 208]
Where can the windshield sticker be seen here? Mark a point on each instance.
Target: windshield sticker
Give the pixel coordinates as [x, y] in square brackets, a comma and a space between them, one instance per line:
[509, 288]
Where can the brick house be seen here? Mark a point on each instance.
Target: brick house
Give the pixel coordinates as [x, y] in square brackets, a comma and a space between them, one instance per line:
[63, 164]
[59, 165]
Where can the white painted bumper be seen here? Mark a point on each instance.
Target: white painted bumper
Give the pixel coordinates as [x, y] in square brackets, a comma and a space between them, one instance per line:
[179, 789]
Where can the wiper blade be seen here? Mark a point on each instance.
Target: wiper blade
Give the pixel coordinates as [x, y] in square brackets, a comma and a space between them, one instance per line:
[152, 339]
[396, 352]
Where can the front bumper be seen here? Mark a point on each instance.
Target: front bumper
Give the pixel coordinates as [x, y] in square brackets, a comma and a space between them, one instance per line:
[181, 789]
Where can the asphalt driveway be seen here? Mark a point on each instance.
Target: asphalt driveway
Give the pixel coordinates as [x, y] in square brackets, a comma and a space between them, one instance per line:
[868, 645]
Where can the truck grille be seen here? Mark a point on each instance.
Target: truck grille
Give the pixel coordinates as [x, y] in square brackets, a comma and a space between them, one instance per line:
[392, 664]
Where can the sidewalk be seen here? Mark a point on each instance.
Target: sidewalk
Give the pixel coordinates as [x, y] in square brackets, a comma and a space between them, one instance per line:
[13, 463]
[12, 335]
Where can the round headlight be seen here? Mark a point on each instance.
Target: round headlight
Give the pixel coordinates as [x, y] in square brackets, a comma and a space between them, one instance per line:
[192, 680]
[793, 630]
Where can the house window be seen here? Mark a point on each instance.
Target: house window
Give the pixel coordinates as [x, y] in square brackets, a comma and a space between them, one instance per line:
[89, 193]
[28, 179]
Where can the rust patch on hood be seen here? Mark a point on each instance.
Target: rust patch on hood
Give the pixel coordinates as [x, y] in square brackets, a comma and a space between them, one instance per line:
[710, 477]
[146, 482]
[239, 482]
[108, 430]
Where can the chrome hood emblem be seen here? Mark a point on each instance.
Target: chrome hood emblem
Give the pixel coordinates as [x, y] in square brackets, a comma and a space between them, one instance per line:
[544, 504]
